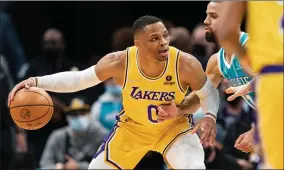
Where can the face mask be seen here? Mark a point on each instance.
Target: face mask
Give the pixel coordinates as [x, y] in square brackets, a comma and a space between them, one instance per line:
[51, 52]
[79, 124]
[114, 90]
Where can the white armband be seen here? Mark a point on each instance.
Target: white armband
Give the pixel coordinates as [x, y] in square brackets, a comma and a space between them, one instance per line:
[69, 81]
[209, 99]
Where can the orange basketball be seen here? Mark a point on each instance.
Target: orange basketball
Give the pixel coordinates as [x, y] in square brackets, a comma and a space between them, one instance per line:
[31, 108]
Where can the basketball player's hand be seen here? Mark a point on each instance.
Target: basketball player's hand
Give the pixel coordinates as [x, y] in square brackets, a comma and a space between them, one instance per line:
[208, 131]
[71, 163]
[238, 91]
[31, 82]
[59, 166]
[167, 111]
[245, 141]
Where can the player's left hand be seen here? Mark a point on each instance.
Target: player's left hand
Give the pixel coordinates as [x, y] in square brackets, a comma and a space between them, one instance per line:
[245, 141]
[71, 163]
[238, 91]
[167, 111]
[208, 131]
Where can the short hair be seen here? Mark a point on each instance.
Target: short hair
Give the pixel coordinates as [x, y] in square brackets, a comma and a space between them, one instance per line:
[143, 21]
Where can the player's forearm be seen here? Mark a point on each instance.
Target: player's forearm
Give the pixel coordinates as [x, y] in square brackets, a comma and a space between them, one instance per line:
[190, 105]
[69, 81]
[209, 99]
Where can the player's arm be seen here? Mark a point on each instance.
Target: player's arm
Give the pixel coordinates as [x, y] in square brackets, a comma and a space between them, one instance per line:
[191, 102]
[72, 81]
[232, 12]
[201, 85]
[195, 77]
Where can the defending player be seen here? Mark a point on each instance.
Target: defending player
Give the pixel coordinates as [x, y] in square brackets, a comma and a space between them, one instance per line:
[151, 73]
[265, 24]
[223, 64]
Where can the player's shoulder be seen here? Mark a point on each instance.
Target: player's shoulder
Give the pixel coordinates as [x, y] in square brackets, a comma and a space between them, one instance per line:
[188, 63]
[117, 58]
[213, 64]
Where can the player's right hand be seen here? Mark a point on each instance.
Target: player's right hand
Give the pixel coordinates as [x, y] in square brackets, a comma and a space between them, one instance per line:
[208, 131]
[31, 82]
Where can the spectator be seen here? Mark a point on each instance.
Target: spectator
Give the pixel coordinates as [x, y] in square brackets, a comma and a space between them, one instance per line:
[73, 146]
[51, 60]
[169, 24]
[236, 121]
[201, 49]
[122, 38]
[180, 38]
[232, 111]
[10, 46]
[13, 138]
[108, 105]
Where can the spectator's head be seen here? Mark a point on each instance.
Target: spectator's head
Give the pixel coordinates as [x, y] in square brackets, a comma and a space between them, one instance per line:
[180, 38]
[122, 38]
[78, 115]
[53, 45]
[201, 48]
[214, 13]
[168, 24]
[112, 87]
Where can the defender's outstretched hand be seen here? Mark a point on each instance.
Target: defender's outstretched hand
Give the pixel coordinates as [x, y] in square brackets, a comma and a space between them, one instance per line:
[245, 141]
[31, 82]
[238, 91]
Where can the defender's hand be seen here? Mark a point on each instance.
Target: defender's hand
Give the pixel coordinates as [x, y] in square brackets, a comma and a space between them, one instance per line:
[245, 141]
[208, 130]
[31, 82]
[238, 91]
[167, 111]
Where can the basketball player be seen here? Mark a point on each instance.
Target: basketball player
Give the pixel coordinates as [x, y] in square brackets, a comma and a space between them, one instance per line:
[265, 55]
[223, 64]
[150, 73]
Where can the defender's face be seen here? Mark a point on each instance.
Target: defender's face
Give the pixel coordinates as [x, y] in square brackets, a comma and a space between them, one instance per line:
[154, 40]
[212, 16]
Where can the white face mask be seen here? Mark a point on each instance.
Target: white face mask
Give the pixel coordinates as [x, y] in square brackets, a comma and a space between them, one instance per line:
[80, 123]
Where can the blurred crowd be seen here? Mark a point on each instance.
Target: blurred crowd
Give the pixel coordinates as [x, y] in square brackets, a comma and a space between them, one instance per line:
[82, 120]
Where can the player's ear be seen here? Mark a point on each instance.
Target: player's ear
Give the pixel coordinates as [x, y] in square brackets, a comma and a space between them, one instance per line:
[137, 43]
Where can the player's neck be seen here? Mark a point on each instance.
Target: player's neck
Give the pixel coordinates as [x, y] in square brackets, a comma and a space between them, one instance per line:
[148, 61]
[228, 53]
[149, 65]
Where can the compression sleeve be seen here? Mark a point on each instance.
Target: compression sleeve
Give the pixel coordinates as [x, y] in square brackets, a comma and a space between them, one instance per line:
[209, 99]
[69, 81]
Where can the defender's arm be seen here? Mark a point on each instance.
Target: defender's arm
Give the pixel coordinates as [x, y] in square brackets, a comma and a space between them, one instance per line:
[233, 13]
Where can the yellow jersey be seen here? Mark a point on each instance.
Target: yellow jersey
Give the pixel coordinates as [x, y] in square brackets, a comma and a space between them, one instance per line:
[265, 27]
[142, 94]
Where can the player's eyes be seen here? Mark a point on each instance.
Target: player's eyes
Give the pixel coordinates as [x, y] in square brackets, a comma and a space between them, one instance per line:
[154, 39]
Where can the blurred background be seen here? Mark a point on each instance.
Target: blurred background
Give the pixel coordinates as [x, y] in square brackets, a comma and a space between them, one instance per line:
[40, 38]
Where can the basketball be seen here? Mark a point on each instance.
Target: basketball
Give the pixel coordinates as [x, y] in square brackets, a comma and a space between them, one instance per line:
[32, 108]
